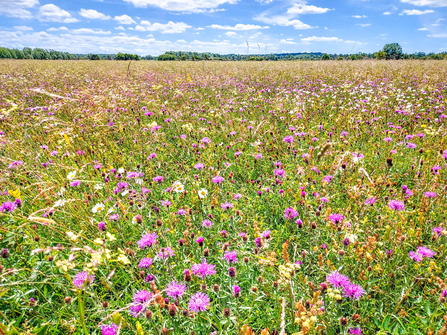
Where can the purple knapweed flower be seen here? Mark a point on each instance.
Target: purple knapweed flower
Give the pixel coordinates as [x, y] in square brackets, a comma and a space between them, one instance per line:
[109, 329]
[230, 256]
[204, 269]
[83, 278]
[354, 292]
[175, 290]
[218, 179]
[145, 263]
[147, 240]
[199, 302]
[396, 205]
[337, 280]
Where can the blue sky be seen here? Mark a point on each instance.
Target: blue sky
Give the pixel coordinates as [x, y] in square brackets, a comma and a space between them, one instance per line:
[151, 27]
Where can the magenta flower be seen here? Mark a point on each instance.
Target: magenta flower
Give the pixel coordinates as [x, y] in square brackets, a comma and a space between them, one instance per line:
[336, 279]
[145, 263]
[237, 196]
[336, 218]
[290, 213]
[230, 256]
[279, 173]
[147, 240]
[109, 329]
[415, 256]
[370, 201]
[355, 331]
[207, 223]
[425, 252]
[75, 183]
[158, 179]
[288, 139]
[218, 179]
[430, 194]
[199, 302]
[175, 290]
[206, 140]
[139, 300]
[166, 253]
[83, 278]
[354, 292]
[396, 205]
[204, 269]
[199, 166]
[227, 205]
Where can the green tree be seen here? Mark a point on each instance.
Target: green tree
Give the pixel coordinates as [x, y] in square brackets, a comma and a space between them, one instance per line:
[94, 57]
[4, 53]
[393, 51]
[326, 57]
[380, 55]
[353, 57]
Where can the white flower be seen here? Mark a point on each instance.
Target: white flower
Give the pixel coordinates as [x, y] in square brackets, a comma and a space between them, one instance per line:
[139, 181]
[178, 187]
[203, 193]
[120, 170]
[111, 210]
[98, 208]
[71, 175]
[98, 186]
[59, 202]
[124, 193]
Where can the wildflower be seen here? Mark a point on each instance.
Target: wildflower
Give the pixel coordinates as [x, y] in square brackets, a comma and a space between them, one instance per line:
[199, 166]
[71, 175]
[203, 193]
[437, 231]
[83, 278]
[425, 252]
[175, 290]
[336, 218]
[147, 240]
[288, 139]
[387, 139]
[258, 156]
[237, 196]
[227, 205]
[178, 187]
[207, 223]
[430, 194]
[109, 329]
[206, 140]
[337, 280]
[158, 179]
[8, 207]
[370, 201]
[204, 269]
[355, 331]
[396, 205]
[140, 300]
[145, 263]
[258, 242]
[236, 291]
[353, 291]
[98, 208]
[199, 302]
[200, 240]
[232, 272]
[411, 145]
[231, 256]
[266, 234]
[415, 256]
[290, 213]
[166, 253]
[218, 179]
[279, 173]
[327, 179]
[102, 226]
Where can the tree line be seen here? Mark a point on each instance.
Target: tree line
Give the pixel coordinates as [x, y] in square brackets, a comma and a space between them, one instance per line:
[389, 51]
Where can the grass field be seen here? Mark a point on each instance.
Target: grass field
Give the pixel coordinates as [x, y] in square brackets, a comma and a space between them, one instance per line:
[223, 198]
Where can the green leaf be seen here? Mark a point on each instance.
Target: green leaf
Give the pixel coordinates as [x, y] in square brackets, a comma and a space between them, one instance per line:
[3, 292]
[427, 308]
[386, 322]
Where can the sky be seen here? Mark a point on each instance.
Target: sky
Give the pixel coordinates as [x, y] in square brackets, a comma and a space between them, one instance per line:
[151, 27]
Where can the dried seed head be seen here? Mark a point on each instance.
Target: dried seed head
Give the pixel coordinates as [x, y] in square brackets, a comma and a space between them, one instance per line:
[343, 321]
[226, 312]
[149, 314]
[67, 300]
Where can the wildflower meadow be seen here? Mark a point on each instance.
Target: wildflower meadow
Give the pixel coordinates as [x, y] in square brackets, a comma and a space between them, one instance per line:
[223, 198]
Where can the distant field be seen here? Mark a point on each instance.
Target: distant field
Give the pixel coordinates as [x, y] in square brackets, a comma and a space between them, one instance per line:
[223, 197]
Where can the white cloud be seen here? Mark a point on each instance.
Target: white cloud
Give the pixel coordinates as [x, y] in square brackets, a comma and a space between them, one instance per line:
[417, 12]
[302, 9]
[423, 29]
[53, 13]
[140, 28]
[284, 21]
[120, 28]
[438, 35]
[430, 3]
[359, 16]
[57, 29]
[124, 19]
[286, 41]
[181, 5]
[365, 24]
[200, 28]
[321, 39]
[23, 28]
[93, 14]
[386, 13]
[238, 26]
[164, 28]
[256, 35]
[16, 8]
[90, 31]
[230, 33]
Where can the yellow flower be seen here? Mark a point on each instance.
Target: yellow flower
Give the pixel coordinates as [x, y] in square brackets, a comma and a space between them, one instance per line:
[111, 237]
[98, 241]
[64, 265]
[123, 259]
